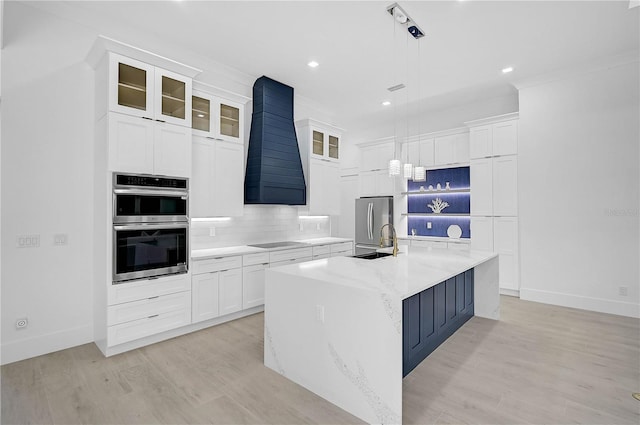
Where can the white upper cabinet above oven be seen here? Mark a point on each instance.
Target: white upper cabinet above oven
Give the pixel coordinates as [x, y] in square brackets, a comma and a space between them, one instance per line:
[147, 91]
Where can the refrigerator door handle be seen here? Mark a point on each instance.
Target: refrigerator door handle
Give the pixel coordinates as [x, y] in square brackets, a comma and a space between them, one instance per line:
[370, 220]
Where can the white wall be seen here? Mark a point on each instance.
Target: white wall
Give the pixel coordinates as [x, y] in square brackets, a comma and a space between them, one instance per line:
[579, 190]
[47, 152]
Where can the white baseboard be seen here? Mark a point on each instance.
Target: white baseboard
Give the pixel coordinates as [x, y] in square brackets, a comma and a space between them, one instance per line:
[510, 292]
[584, 303]
[14, 351]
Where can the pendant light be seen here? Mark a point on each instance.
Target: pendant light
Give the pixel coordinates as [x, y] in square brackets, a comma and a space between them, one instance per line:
[419, 172]
[394, 164]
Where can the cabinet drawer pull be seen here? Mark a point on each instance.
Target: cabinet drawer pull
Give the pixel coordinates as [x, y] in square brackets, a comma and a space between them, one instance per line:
[153, 298]
[160, 120]
[151, 317]
[265, 264]
[147, 118]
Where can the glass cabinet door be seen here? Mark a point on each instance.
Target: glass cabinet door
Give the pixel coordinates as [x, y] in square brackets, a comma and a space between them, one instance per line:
[229, 121]
[174, 98]
[132, 87]
[201, 114]
[334, 147]
[318, 143]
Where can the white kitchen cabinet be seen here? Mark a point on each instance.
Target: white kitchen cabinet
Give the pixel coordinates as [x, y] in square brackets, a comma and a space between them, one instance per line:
[131, 144]
[481, 178]
[505, 242]
[323, 182]
[204, 292]
[376, 183]
[451, 149]
[217, 178]
[376, 157]
[481, 142]
[321, 251]
[230, 291]
[147, 91]
[505, 138]
[230, 120]
[341, 249]
[148, 147]
[482, 233]
[253, 285]
[171, 150]
[505, 186]
[494, 139]
[419, 152]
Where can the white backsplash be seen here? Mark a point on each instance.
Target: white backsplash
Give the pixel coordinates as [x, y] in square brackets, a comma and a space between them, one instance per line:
[259, 224]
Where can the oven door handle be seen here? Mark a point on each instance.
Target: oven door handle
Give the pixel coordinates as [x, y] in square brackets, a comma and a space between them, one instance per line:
[151, 226]
[175, 193]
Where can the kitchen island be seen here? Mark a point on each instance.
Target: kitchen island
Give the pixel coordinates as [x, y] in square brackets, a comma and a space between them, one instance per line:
[345, 327]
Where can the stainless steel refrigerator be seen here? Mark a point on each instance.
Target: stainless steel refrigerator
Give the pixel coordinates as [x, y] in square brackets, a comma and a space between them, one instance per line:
[371, 214]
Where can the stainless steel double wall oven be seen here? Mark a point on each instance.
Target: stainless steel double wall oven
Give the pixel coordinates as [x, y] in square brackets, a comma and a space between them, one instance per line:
[150, 226]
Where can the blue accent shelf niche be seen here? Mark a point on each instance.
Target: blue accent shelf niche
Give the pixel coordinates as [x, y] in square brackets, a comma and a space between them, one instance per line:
[458, 197]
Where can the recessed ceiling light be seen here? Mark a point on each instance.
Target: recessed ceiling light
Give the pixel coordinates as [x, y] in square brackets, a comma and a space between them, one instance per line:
[313, 64]
[386, 103]
[507, 70]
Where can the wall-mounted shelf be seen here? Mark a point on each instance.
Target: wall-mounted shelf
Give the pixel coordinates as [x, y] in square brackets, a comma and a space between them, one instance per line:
[435, 192]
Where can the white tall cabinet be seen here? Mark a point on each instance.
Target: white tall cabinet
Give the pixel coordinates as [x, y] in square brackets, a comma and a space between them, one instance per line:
[143, 126]
[374, 166]
[217, 153]
[320, 145]
[494, 194]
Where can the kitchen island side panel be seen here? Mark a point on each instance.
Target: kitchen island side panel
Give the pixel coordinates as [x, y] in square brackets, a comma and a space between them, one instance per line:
[333, 340]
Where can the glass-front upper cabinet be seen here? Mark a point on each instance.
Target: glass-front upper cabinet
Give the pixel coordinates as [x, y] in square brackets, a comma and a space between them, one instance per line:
[325, 144]
[230, 121]
[131, 86]
[334, 147]
[139, 89]
[217, 118]
[318, 143]
[173, 97]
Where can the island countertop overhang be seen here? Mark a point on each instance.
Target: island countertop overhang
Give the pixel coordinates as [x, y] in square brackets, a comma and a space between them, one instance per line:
[412, 271]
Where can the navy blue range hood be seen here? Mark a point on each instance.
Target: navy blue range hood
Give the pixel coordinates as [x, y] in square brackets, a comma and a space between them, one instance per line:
[274, 170]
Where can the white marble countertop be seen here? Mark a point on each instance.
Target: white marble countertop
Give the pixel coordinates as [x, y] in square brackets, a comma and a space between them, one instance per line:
[227, 251]
[412, 271]
[435, 239]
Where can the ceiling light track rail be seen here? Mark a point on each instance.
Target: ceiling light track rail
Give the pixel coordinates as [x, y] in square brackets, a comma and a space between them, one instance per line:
[403, 18]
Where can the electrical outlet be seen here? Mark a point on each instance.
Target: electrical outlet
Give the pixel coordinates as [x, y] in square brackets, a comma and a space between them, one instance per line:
[429, 225]
[60, 239]
[22, 323]
[623, 291]
[212, 231]
[28, 241]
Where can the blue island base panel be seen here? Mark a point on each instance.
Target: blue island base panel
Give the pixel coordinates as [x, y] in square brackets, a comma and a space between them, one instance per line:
[439, 225]
[433, 315]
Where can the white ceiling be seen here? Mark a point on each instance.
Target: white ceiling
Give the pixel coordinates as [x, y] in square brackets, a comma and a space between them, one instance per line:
[362, 50]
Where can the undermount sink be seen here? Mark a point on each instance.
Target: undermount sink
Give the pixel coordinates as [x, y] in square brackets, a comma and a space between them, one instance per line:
[373, 255]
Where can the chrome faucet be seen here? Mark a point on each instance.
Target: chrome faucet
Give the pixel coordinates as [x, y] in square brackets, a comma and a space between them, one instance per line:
[394, 238]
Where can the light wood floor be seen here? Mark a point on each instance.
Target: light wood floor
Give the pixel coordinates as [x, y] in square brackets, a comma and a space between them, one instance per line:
[540, 365]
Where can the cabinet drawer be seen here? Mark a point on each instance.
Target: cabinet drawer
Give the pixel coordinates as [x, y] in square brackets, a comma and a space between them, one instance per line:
[341, 247]
[217, 264]
[321, 250]
[290, 254]
[289, 262]
[429, 244]
[135, 310]
[143, 289]
[458, 246]
[130, 331]
[252, 259]
[346, 253]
